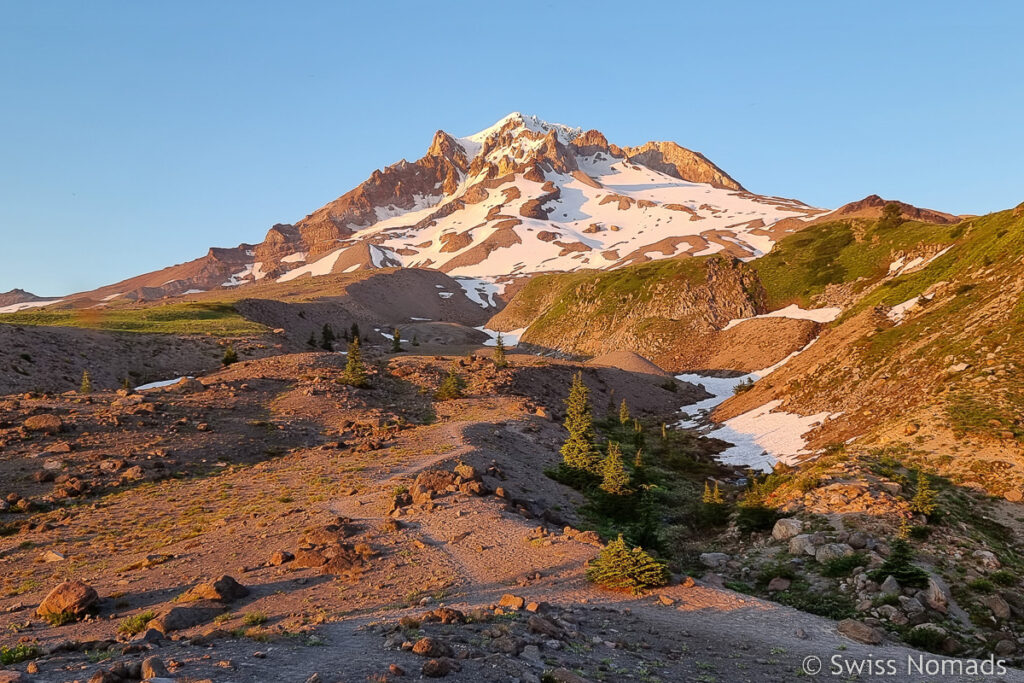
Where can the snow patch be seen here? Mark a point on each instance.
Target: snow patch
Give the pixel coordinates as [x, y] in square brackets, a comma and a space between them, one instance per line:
[510, 338]
[794, 312]
[481, 290]
[14, 308]
[162, 383]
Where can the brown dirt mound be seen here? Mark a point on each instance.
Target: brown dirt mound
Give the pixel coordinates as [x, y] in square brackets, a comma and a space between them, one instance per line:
[629, 361]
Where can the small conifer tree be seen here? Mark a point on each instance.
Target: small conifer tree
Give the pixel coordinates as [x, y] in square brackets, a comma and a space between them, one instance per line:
[614, 478]
[230, 356]
[923, 501]
[355, 371]
[354, 331]
[311, 342]
[624, 413]
[499, 352]
[415, 340]
[451, 387]
[578, 450]
[126, 384]
[86, 386]
[899, 564]
[638, 459]
[620, 568]
[712, 497]
[327, 338]
[396, 341]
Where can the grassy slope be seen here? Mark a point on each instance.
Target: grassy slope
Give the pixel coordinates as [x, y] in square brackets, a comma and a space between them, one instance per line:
[215, 317]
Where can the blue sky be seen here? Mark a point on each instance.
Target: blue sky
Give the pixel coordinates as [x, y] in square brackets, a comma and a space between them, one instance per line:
[134, 135]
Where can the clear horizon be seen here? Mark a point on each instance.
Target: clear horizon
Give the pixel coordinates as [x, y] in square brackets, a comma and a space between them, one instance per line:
[138, 136]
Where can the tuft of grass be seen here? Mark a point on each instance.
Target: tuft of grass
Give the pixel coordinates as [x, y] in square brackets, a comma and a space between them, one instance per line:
[136, 623]
[254, 618]
[843, 566]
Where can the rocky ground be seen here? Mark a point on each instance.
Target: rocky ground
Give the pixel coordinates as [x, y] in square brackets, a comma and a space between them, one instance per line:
[268, 523]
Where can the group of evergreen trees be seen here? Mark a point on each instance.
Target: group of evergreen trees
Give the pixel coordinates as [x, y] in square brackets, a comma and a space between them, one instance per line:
[328, 337]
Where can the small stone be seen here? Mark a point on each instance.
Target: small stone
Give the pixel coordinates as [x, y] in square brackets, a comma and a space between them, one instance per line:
[832, 551]
[665, 600]
[280, 557]
[891, 586]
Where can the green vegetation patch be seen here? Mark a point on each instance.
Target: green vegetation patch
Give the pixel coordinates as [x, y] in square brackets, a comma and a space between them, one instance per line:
[215, 318]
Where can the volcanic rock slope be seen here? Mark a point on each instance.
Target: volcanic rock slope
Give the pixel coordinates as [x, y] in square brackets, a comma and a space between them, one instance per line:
[523, 196]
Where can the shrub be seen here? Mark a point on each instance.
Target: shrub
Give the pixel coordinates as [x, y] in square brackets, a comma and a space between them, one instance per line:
[17, 653]
[620, 568]
[254, 618]
[842, 566]
[930, 639]
[982, 585]
[129, 626]
[328, 338]
[1003, 578]
[756, 517]
[230, 356]
[744, 386]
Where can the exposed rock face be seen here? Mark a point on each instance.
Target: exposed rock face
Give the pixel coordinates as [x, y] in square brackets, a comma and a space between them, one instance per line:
[679, 162]
[872, 206]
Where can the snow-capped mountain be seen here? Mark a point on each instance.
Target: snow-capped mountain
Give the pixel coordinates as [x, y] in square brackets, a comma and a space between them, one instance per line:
[522, 196]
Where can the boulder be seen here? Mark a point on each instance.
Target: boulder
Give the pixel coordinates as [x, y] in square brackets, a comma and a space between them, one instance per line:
[224, 589]
[891, 586]
[786, 529]
[986, 559]
[432, 647]
[859, 631]
[48, 424]
[714, 560]
[935, 596]
[802, 544]
[153, 667]
[1000, 608]
[436, 668]
[779, 583]
[280, 557]
[512, 601]
[181, 617]
[70, 599]
[832, 551]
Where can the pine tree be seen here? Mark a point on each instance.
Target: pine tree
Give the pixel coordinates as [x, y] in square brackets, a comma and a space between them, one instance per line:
[664, 431]
[499, 352]
[354, 331]
[923, 501]
[396, 341]
[230, 356]
[86, 386]
[126, 384]
[327, 344]
[624, 413]
[415, 340]
[451, 387]
[614, 478]
[899, 564]
[311, 343]
[578, 450]
[355, 372]
[712, 497]
[620, 568]
[638, 459]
